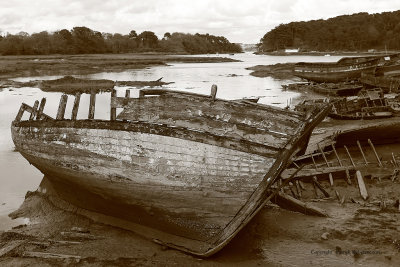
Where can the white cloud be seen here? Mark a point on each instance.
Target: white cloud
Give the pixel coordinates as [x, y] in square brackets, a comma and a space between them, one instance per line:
[245, 21]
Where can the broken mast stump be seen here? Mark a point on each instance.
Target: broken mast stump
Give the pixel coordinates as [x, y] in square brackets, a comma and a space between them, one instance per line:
[376, 154]
[213, 92]
[34, 111]
[61, 107]
[92, 105]
[361, 185]
[75, 108]
[41, 108]
[113, 111]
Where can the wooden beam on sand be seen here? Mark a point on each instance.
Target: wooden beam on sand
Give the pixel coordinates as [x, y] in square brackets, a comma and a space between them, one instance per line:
[315, 180]
[361, 185]
[290, 203]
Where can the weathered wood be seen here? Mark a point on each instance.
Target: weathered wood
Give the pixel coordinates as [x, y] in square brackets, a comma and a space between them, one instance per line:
[315, 190]
[330, 179]
[376, 154]
[361, 185]
[323, 155]
[348, 179]
[10, 246]
[46, 255]
[292, 190]
[351, 159]
[213, 92]
[20, 112]
[298, 189]
[75, 108]
[113, 111]
[362, 152]
[336, 154]
[92, 105]
[34, 110]
[293, 204]
[337, 195]
[321, 173]
[61, 107]
[301, 185]
[315, 180]
[118, 161]
[315, 165]
[41, 108]
[394, 161]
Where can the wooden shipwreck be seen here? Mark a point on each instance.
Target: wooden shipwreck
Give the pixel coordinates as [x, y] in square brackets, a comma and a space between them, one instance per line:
[345, 69]
[187, 170]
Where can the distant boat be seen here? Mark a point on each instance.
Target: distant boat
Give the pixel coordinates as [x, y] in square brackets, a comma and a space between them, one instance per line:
[343, 70]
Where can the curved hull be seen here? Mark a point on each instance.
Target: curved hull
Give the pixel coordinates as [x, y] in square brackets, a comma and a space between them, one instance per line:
[192, 188]
[332, 72]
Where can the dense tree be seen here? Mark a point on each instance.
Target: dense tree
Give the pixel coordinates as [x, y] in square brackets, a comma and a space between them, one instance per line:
[82, 40]
[361, 31]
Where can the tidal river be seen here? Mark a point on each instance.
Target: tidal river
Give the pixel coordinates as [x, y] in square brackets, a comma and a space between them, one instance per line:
[17, 176]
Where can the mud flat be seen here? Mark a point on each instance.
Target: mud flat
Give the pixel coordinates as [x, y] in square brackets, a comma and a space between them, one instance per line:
[356, 232]
[281, 71]
[22, 66]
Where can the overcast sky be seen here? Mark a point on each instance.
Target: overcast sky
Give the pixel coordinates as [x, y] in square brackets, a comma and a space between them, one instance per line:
[244, 21]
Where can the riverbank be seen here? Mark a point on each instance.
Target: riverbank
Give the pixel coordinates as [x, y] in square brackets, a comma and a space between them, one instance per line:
[25, 66]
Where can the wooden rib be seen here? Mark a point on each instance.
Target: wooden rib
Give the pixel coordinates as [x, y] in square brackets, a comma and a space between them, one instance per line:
[34, 110]
[76, 106]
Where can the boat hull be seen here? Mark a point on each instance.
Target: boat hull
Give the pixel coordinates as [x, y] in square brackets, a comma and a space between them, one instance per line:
[192, 190]
[333, 72]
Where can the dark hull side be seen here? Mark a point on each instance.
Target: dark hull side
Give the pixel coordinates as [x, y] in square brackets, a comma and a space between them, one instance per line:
[333, 77]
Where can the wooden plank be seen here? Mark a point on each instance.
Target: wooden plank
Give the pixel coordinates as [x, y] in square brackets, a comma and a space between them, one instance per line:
[20, 112]
[178, 107]
[76, 106]
[34, 110]
[10, 246]
[113, 111]
[293, 204]
[61, 107]
[348, 153]
[376, 154]
[315, 180]
[321, 173]
[362, 152]
[41, 108]
[92, 105]
[336, 154]
[213, 92]
[361, 185]
[330, 179]
[46, 255]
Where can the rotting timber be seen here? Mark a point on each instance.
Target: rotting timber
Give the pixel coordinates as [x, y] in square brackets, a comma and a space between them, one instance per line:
[187, 170]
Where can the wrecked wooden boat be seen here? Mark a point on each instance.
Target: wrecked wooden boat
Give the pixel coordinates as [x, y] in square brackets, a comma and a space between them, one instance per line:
[187, 170]
[369, 104]
[333, 72]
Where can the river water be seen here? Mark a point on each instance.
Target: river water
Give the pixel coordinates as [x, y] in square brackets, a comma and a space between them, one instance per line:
[17, 176]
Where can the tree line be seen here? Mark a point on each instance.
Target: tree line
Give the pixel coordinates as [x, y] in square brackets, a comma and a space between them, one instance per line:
[82, 40]
[357, 32]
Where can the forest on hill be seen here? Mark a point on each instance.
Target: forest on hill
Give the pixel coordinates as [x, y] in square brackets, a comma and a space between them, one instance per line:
[82, 40]
[357, 32]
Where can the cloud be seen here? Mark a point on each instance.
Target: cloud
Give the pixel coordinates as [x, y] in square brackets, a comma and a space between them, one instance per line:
[244, 21]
